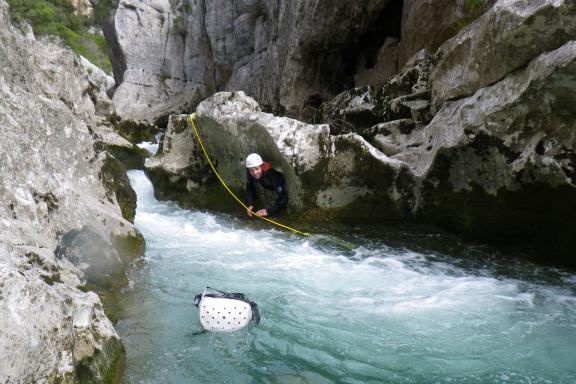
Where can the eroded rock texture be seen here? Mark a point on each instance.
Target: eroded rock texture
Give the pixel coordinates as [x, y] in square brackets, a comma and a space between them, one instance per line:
[54, 183]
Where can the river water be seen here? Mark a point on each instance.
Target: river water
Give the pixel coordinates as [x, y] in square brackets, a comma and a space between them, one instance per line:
[403, 307]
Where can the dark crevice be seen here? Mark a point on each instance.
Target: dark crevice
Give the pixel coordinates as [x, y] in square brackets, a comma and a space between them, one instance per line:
[364, 51]
[105, 13]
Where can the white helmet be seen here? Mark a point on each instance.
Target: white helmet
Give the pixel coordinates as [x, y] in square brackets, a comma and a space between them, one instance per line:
[253, 160]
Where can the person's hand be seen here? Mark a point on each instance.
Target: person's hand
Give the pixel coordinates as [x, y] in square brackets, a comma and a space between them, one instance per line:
[249, 211]
[262, 212]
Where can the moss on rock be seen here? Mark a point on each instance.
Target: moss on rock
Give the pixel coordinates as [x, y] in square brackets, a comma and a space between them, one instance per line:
[131, 158]
[129, 247]
[207, 193]
[528, 217]
[135, 131]
[106, 367]
[117, 183]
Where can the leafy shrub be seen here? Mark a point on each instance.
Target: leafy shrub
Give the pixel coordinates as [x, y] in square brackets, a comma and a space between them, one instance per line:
[59, 18]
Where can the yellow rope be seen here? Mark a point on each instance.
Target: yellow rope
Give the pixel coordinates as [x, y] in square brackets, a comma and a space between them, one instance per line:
[192, 116]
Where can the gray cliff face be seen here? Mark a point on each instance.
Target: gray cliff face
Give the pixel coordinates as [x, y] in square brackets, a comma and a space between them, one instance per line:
[55, 201]
[427, 24]
[283, 53]
[495, 164]
[149, 47]
[288, 55]
[500, 163]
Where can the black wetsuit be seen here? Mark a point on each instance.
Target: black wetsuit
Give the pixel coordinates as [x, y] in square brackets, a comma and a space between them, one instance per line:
[273, 181]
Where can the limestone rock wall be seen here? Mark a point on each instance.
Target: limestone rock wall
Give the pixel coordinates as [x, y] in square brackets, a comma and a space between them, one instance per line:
[52, 186]
[171, 55]
[153, 62]
[427, 24]
[484, 166]
[288, 55]
[506, 38]
[499, 164]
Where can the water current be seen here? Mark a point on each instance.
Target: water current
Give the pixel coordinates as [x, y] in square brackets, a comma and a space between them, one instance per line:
[400, 308]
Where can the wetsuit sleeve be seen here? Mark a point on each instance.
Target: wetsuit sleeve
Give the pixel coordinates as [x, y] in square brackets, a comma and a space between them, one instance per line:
[282, 195]
[250, 191]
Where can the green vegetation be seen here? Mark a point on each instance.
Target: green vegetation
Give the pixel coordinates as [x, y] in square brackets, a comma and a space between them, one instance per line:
[179, 26]
[59, 18]
[473, 9]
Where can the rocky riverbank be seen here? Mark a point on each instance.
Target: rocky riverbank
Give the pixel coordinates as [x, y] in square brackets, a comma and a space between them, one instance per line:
[65, 226]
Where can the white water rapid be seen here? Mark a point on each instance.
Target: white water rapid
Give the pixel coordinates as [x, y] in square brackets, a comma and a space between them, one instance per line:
[388, 312]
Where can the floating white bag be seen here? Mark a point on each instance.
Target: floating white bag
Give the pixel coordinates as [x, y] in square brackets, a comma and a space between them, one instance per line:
[225, 312]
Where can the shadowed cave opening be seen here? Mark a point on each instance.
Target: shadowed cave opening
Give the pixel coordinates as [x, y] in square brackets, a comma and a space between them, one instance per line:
[337, 69]
[363, 52]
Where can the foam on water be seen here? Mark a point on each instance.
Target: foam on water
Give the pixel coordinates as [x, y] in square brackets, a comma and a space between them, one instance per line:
[152, 148]
[380, 314]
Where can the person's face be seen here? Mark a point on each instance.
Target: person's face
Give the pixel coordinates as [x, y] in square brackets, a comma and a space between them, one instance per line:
[256, 172]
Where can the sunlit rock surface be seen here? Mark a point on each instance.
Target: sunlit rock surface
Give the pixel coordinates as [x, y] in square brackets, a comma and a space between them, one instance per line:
[101, 85]
[157, 74]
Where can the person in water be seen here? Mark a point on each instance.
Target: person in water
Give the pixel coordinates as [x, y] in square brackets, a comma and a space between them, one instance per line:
[261, 172]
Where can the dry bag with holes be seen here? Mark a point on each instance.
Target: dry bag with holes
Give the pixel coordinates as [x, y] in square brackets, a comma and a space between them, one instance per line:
[225, 312]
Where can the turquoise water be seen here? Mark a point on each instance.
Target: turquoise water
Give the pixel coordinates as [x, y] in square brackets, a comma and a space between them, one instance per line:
[404, 308]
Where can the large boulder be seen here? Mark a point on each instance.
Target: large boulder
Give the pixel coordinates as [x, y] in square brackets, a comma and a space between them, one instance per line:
[179, 167]
[52, 185]
[52, 332]
[340, 173]
[506, 38]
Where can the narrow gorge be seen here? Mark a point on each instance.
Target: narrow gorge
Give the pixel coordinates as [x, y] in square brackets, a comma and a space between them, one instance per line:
[394, 122]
